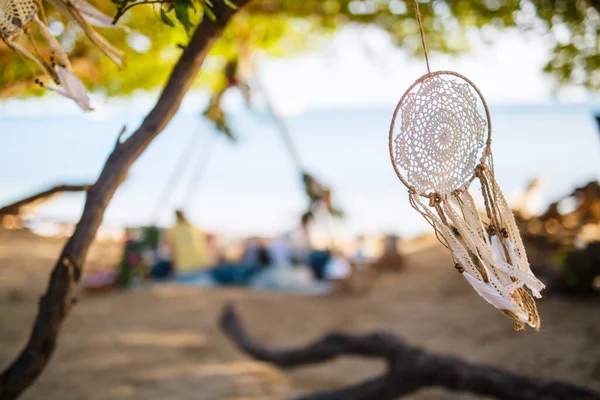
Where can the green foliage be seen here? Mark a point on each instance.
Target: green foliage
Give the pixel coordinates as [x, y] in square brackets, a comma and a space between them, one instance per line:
[182, 12]
[215, 113]
[230, 77]
[318, 194]
[164, 18]
[286, 27]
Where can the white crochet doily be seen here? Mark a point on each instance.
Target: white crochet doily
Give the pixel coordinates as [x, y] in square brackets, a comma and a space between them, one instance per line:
[440, 130]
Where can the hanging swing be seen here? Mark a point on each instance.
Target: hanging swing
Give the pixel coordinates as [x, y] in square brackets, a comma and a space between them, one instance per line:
[440, 144]
[236, 76]
[175, 177]
[319, 195]
[320, 204]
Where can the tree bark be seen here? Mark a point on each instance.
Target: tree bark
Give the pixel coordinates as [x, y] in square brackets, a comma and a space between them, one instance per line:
[57, 301]
[409, 368]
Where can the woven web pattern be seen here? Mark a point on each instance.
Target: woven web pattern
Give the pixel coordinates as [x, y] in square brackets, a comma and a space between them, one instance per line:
[15, 15]
[441, 134]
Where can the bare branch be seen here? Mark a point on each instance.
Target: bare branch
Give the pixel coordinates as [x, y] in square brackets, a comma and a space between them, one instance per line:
[120, 136]
[123, 10]
[409, 368]
[17, 207]
[56, 302]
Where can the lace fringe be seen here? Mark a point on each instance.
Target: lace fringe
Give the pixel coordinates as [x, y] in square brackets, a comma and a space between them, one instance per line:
[490, 256]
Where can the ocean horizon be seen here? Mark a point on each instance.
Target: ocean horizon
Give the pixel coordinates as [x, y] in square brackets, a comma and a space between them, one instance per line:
[252, 187]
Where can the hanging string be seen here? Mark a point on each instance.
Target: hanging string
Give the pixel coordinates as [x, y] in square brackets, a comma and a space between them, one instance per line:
[200, 168]
[174, 178]
[281, 126]
[418, 13]
[294, 154]
[41, 8]
[38, 54]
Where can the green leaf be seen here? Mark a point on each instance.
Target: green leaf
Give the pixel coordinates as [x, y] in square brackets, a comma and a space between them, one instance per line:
[208, 11]
[231, 4]
[165, 19]
[183, 15]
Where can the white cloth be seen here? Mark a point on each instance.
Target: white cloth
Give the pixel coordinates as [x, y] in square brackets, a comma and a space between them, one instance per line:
[296, 279]
[337, 268]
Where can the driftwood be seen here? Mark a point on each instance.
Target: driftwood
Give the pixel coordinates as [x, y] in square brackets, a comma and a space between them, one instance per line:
[409, 368]
[17, 207]
[57, 301]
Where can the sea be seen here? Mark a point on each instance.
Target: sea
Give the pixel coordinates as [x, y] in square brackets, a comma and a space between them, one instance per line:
[253, 187]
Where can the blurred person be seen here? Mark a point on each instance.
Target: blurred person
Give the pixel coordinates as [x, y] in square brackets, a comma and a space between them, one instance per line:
[131, 264]
[252, 251]
[360, 255]
[256, 258]
[294, 246]
[300, 240]
[391, 259]
[303, 251]
[362, 272]
[338, 271]
[163, 267]
[280, 250]
[189, 247]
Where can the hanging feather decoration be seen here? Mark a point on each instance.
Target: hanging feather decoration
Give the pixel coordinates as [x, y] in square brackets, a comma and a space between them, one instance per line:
[440, 145]
[18, 17]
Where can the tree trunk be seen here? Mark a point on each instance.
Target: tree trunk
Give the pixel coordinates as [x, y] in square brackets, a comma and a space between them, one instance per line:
[57, 301]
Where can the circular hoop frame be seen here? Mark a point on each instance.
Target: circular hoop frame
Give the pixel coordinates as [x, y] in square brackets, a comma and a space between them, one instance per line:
[488, 142]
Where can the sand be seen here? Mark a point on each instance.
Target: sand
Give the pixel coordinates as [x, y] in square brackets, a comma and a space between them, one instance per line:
[162, 342]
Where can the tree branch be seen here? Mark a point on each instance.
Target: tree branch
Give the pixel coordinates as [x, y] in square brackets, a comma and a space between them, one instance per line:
[139, 3]
[409, 368]
[16, 207]
[56, 303]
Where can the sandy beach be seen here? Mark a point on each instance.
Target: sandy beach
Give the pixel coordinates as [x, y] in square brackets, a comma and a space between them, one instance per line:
[163, 342]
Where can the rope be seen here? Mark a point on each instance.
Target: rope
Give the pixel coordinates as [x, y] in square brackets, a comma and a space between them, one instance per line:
[199, 170]
[281, 126]
[35, 48]
[294, 154]
[41, 8]
[418, 13]
[174, 177]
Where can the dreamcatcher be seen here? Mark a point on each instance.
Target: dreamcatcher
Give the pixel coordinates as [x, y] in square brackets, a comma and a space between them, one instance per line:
[440, 143]
[18, 18]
